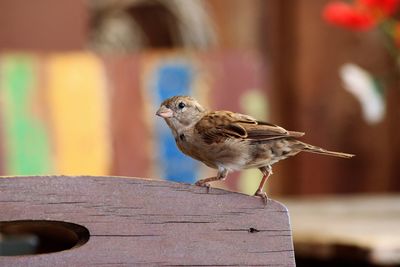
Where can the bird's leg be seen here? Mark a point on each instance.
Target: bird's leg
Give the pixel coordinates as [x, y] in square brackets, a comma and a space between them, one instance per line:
[221, 175]
[266, 171]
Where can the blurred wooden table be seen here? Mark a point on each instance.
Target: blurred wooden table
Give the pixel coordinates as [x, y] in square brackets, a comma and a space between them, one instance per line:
[362, 228]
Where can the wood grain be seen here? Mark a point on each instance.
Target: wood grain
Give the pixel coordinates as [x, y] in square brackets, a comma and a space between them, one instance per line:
[145, 222]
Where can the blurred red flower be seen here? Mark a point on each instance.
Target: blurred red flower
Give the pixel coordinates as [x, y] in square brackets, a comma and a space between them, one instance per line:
[382, 8]
[348, 16]
[361, 14]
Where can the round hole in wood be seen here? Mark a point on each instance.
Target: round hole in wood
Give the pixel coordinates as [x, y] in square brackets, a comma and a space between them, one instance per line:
[27, 237]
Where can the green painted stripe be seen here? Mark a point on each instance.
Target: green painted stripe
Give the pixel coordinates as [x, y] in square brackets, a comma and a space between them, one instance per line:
[25, 137]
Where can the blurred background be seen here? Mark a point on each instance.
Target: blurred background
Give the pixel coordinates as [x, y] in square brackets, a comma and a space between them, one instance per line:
[80, 82]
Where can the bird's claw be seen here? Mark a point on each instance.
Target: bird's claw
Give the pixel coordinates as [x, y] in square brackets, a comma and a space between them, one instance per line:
[263, 196]
[203, 184]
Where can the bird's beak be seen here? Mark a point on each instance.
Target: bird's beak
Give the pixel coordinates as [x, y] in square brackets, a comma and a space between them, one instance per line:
[164, 112]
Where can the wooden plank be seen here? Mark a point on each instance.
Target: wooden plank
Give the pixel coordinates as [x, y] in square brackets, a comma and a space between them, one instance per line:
[128, 113]
[137, 222]
[352, 228]
[168, 75]
[26, 138]
[279, 43]
[78, 107]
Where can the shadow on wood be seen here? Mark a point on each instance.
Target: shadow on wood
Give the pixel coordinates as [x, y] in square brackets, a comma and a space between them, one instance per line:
[136, 222]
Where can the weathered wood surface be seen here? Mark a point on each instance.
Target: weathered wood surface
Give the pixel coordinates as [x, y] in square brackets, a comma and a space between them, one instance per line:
[364, 228]
[137, 222]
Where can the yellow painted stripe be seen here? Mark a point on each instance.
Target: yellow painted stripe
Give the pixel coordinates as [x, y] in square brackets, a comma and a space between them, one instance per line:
[79, 113]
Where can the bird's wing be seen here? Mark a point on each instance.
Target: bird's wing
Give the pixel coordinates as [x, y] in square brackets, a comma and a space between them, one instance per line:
[220, 125]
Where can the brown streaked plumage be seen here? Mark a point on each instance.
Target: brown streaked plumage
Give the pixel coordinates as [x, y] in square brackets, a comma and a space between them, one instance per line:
[229, 141]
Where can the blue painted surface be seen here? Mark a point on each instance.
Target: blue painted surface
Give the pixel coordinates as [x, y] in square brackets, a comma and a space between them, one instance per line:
[173, 78]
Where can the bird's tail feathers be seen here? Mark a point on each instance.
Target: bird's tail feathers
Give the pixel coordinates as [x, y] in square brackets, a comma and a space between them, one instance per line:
[318, 150]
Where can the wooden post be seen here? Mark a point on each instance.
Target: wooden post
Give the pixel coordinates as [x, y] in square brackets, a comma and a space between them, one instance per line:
[137, 222]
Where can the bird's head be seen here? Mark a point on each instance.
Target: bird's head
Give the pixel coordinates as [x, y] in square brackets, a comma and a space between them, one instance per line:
[180, 112]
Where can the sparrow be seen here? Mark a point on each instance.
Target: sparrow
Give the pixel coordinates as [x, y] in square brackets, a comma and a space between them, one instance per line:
[229, 141]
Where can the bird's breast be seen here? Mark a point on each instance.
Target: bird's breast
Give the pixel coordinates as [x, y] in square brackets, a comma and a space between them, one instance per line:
[196, 148]
[231, 154]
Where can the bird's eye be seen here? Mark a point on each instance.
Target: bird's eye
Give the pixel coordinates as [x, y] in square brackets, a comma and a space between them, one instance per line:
[181, 105]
